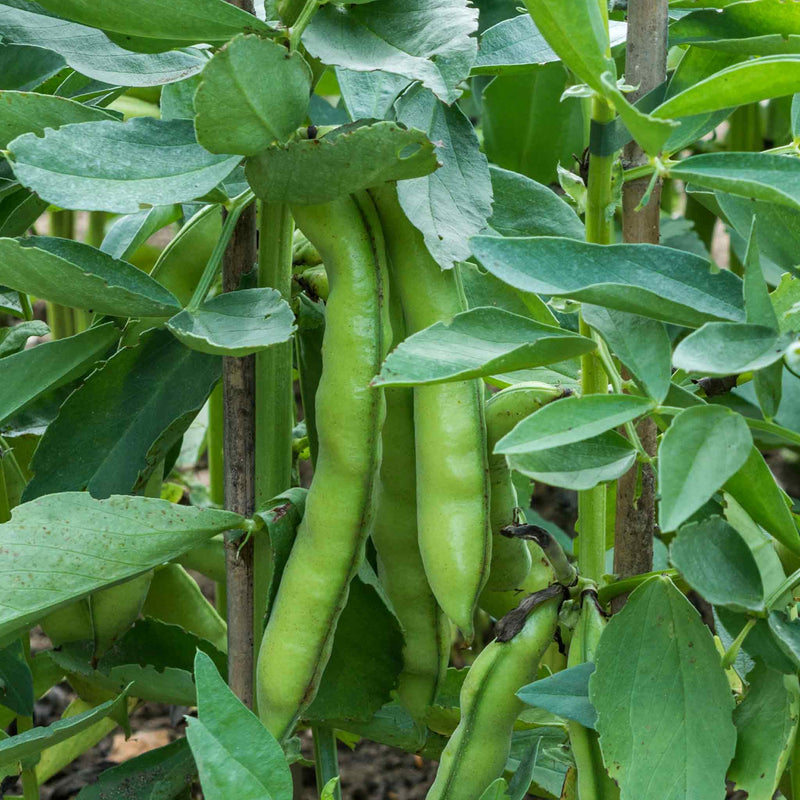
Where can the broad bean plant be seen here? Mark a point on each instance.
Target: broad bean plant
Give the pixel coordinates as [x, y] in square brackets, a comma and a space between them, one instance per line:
[385, 267]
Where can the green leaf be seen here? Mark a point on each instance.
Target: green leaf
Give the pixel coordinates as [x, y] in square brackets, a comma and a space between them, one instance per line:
[161, 774]
[495, 791]
[76, 274]
[796, 116]
[79, 544]
[786, 633]
[27, 375]
[758, 176]
[19, 211]
[239, 84]
[346, 160]
[701, 450]
[760, 643]
[766, 723]
[641, 344]
[653, 281]
[477, 343]
[90, 51]
[137, 416]
[370, 95]
[14, 339]
[570, 420]
[31, 743]
[581, 465]
[142, 162]
[25, 68]
[515, 45]
[235, 323]
[663, 702]
[526, 127]
[235, 754]
[180, 23]
[26, 112]
[423, 40]
[565, 693]
[757, 28]
[128, 233]
[729, 348]
[716, 561]
[16, 680]
[329, 789]
[523, 207]
[454, 202]
[10, 302]
[746, 82]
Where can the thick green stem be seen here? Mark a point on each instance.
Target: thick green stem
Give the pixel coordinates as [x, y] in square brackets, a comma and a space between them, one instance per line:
[736, 644]
[274, 395]
[326, 759]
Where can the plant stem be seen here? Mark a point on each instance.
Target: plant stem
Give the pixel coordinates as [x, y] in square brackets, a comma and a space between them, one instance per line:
[300, 24]
[326, 759]
[736, 644]
[612, 590]
[274, 395]
[290, 10]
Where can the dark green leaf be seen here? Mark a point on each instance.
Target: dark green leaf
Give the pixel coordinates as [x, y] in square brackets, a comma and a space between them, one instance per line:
[73, 540]
[477, 343]
[581, 465]
[128, 233]
[239, 83]
[235, 323]
[25, 68]
[663, 702]
[425, 40]
[14, 339]
[76, 274]
[16, 680]
[566, 693]
[177, 99]
[10, 302]
[137, 416]
[19, 211]
[29, 374]
[90, 51]
[454, 202]
[141, 162]
[760, 643]
[571, 420]
[716, 561]
[314, 171]
[656, 282]
[369, 95]
[235, 754]
[787, 635]
[161, 774]
[701, 450]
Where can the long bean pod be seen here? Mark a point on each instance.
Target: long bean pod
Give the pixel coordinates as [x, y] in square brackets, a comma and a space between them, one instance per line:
[341, 501]
[452, 470]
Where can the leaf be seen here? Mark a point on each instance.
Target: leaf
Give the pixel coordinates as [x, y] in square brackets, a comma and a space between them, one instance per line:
[526, 127]
[716, 561]
[565, 693]
[31, 743]
[27, 375]
[79, 544]
[760, 643]
[235, 323]
[91, 52]
[369, 95]
[746, 82]
[137, 416]
[18, 212]
[757, 28]
[235, 754]
[141, 162]
[477, 343]
[76, 274]
[239, 83]
[454, 202]
[786, 633]
[26, 112]
[758, 176]
[766, 724]
[523, 207]
[581, 465]
[180, 23]
[653, 281]
[495, 791]
[663, 702]
[641, 344]
[128, 233]
[423, 40]
[730, 348]
[16, 680]
[25, 68]
[329, 789]
[14, 339]
[348, 159]
[160, 774]
[515, 45]
[701, 450]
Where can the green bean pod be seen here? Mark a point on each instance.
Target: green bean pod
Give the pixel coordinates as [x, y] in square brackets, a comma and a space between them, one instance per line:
[511, 559]
[452, 469]
[341, 501]
[478, 749]
[426, 630]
